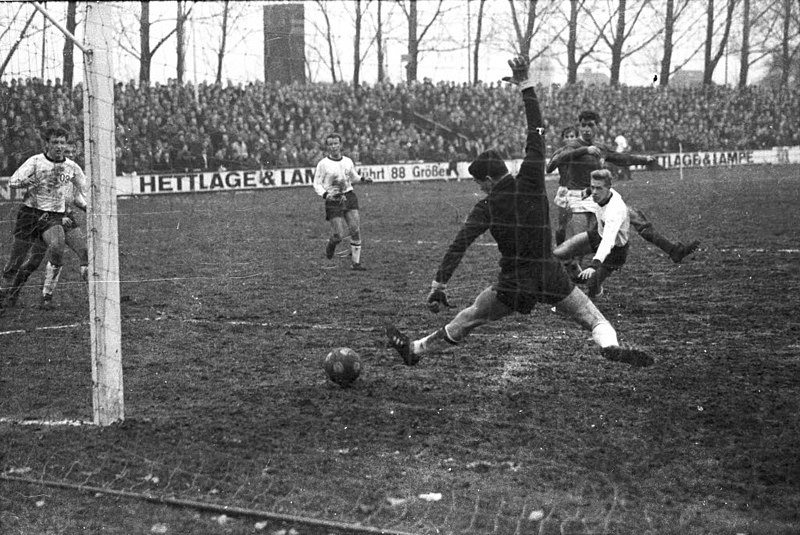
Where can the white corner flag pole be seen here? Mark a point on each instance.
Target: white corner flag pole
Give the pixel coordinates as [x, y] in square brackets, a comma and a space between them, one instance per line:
[101, 218]
[680, 159]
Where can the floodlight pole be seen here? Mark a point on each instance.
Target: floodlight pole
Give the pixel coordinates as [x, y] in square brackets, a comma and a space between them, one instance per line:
[101, 218]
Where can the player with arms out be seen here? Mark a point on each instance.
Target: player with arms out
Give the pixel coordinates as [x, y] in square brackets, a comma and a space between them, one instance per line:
[608, 240]
[333, 181]
[575, 163]
[565, 202]
[516, 213]
[48, 180]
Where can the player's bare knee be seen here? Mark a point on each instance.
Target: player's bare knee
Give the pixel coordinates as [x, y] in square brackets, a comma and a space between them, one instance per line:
[560, 252]
[57, 259]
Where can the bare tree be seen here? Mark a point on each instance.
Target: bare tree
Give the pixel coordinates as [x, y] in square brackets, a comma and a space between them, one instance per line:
[220, 23]
[226, 6]
[622, 33]
[332, 60]
[711, 59]
[744, 53]
[69, 46]
[671, 17]
[789, 52]
[379, 37]
[761, 26]
[785, 61]
[146, 52]
[183, 14]
[577, 54]
[415, 36]
[357, 44]
[14, 47]
[532, 21]
[476, 51]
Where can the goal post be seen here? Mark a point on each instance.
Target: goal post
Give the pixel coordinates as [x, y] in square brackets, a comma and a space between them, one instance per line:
[101, 218]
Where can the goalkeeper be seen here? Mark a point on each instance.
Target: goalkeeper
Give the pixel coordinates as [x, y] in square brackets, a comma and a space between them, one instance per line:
[516, 213]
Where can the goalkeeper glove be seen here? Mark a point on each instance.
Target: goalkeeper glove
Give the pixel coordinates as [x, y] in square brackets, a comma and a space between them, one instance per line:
[520, 75]
[437, 297]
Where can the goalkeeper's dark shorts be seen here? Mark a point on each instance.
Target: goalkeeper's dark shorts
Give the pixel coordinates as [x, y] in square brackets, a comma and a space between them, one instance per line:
[32, 223]
[544, 281]
[338, 206]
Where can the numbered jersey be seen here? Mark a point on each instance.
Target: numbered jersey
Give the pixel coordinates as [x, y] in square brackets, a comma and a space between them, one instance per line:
[50, 186]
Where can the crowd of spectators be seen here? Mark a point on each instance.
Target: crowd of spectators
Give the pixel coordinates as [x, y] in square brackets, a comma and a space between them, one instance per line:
[165, 127]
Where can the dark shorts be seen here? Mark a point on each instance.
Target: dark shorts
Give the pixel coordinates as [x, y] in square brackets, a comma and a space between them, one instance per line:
[545, 281]
[32, 223]
[616, 258]
[337, 208]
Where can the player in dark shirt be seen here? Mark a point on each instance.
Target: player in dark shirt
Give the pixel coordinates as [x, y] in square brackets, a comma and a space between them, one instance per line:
[576, 161]
[516, 213]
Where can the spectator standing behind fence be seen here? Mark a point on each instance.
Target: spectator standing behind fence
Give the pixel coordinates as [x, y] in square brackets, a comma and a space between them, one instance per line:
[622, 147]
[333, 181]
[48, 180]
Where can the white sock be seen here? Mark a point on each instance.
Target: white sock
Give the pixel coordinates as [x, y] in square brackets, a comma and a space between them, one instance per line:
[355, 250]
[439, 337]
[604, 335]
[50, 279]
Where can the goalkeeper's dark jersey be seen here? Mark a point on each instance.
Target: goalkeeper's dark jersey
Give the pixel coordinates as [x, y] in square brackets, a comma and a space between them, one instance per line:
[516, 211]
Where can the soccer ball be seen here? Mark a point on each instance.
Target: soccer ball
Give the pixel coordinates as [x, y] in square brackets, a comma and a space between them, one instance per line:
[343, 366]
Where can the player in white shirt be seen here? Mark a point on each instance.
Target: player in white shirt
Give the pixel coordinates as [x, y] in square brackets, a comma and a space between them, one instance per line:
[608, 242]
[48, 180]
[333, 181]
[75, 239]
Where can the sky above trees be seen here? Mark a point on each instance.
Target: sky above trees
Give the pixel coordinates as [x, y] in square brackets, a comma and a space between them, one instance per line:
[446, 31]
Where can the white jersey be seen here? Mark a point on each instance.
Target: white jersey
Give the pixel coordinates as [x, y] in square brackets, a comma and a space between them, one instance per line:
[49, 184]
[613, 225]
[335, 176]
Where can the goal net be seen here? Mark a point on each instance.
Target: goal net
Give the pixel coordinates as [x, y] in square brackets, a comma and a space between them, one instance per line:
[29, 68]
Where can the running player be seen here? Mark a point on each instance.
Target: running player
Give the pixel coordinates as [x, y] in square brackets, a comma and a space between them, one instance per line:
[333, 181]
[47, 179]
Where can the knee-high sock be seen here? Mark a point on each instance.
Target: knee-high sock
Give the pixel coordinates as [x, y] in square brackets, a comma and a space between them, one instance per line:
[428, 343]
[581, 309]
[52, 273]
[656, 239]
[355, 250]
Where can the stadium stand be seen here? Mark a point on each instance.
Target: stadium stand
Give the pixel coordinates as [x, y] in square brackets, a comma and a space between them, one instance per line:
[165, 127]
